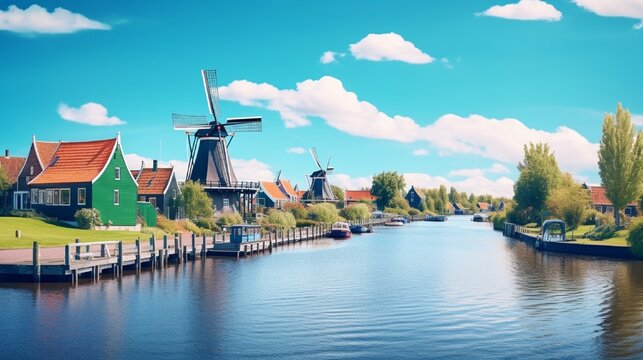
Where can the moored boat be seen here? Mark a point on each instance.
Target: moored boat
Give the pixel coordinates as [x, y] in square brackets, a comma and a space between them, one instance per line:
[395, 222]
[360, 229]
[479, 218]
[340, 230]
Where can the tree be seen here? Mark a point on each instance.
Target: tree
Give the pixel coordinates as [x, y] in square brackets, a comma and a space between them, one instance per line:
[356, 212]
[620, 160]
[339, 195]
[430, 203]
[323, 212]
[569, 201]
[539, 174]
[195, 201]
[386, 186]
[280, 219]
[442, 202]
[453, 195]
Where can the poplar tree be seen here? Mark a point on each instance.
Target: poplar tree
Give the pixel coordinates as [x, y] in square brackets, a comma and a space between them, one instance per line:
[620, 160]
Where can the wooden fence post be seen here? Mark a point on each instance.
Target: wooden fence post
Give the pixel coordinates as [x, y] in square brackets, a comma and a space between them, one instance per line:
[77, 247]
[67, 256]
[204, 249]
[177, 248]
[36, 262]
[138, 254]
[120, 258]
[193, 246]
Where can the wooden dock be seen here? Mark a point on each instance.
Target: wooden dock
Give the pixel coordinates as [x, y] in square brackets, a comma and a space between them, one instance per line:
[93, 259]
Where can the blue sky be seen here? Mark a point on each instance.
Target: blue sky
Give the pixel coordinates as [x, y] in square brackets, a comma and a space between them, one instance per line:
[441, 91]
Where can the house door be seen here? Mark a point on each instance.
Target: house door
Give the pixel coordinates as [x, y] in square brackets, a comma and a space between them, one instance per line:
[20, 200]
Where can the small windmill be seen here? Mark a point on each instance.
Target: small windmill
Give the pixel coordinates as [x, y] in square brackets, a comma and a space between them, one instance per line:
[319, 188]
[209, 161]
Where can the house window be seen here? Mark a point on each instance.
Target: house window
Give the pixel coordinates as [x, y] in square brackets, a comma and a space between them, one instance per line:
[141, 198]
[50, 197]
[34, 196]
[82, 196]
[56, 196]
[31, 171]
[117, 173]
[65, 196]
[41, 196]
[153, 201]
[173, 194]
[226, 202]
[117, 197]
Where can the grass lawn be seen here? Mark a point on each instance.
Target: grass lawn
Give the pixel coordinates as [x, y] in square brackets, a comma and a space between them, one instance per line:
[619, 240]
[56, 235]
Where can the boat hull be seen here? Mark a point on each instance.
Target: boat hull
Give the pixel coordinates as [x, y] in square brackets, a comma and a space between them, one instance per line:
[393, 223]
[340, 234]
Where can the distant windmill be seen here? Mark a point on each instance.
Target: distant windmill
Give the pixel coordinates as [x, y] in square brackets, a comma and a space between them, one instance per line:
[209, 161]
[319, 188]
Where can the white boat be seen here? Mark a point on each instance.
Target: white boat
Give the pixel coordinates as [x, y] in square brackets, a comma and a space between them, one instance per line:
[394, 222]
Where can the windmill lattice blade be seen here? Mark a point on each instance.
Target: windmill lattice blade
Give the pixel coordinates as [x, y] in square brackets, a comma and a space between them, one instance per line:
[248, 124]
[211, 91]
[313, 152]
[190, 121]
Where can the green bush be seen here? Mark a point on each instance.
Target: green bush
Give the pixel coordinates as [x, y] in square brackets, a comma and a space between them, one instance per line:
[323, 212]
[396, 211]
[229, 219]
[306, 222]
[601, 232]
[635, 237]
[297, 209]
[414, 212]
[88, 218]
[498, 219]
[207, 223]
[356, 212]
[280, 219]
[166, 225]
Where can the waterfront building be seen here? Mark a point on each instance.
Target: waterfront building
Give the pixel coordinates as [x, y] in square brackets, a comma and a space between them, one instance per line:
[271, 196]
[458, 209]
[159, 187]
[40, 155]
[601, 203]
[86, 174]
[483, 207]
[286, 187]
[357, 196]
[415, 197]
[11, 166]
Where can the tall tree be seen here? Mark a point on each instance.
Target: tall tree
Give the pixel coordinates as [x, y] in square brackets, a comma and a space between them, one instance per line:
[568, 201]
[386, 185]
[443, 200]
[539, 174]
[195, 201]
[620, 160]
[453, 195]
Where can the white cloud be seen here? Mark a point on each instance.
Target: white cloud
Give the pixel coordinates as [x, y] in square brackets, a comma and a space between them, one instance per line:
[637, 119]
[36, 19]
[420, 152]
[296, 150]
[447, 63]
[501, 140]
[248, 170]
[391, 46]
[525, 10]
[498, 169]
[478, 185]
[90, 113]
[330, 57]
[616, 8]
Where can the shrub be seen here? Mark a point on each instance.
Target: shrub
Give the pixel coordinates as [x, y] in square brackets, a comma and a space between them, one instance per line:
[518, 216]
[88, 218]
[323, 212]
[306, 222]
[229, 219]
[396, 211]
[356, 212]
[207, 223]
[280, 219]
[414, 212]
[189, 226]
[498, 219]
[297, 209]
[601, 232]
[168, 226]
[635, 237]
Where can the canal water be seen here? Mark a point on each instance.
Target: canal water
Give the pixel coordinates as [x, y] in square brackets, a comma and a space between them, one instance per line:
[425, 290]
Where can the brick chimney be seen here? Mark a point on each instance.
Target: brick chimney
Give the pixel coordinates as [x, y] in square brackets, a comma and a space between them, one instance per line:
[155, 165]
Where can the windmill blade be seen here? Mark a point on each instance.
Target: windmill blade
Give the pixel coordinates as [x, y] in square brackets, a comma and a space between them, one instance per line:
[278, 176]
[329, 169]
[182, 122]
[313, 152]
[243, 124]
[328, 163]
[211, 91]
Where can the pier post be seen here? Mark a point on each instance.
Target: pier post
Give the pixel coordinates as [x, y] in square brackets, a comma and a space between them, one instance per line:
[204, 249]
[164, 241]
[103, 251]
[282, 235]
[160, 258]
[67, 256]
[193, 246]
[120, 258]
[36, 262]
[138, 254]
[177, 248]
[77, 247]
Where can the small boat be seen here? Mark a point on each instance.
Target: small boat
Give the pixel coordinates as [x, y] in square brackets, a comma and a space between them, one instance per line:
[479, 218]
[435, 218]
[361, 229]
[395, 222]
[340, 230]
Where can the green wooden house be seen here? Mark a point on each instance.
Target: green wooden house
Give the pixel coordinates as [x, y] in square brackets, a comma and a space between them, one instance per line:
[88, 174]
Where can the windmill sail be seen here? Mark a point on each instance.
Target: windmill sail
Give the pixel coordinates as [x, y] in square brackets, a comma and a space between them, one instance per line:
[211, 92]
[320, 190]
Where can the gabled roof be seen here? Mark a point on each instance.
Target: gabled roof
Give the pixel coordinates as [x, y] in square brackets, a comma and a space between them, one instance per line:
[301, 193]
[12, 166]
[418, 191]
[272, 190]
[287, 186]
[598, 196]
[483, 205]
[45, 151]
[359, 195]
[135, 173]
[75, 162]
[152, 182]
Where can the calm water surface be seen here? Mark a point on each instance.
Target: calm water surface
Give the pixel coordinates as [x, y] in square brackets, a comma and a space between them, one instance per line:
[427, 290]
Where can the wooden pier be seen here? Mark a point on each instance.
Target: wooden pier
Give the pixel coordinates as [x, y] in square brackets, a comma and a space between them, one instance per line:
[93, 259]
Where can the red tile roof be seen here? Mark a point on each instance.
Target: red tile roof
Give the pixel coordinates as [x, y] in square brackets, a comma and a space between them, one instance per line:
[359, 195]
[135, 172]
[288, 187]
[272, 190]
[598, 196]
[77, 162]
[301, 193]
[152, 182]
[45, 151]
[483, 205]
[12, 166]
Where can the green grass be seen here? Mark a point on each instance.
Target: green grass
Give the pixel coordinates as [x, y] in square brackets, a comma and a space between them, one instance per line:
[57, 234]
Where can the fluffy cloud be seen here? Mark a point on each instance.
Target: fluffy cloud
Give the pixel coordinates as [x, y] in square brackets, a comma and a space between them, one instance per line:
[525, 10]
[296, 150]
[498, 169]
[249, 170]
[618, 8]
[330, 57]
[420, 152]
[478, 184]
[90, 113]
[477, 172]
[501, 140]
[36, 19]
[391, 46]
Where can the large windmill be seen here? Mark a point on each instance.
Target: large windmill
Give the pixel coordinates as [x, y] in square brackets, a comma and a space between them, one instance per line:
[209, 162]
[319, 188]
